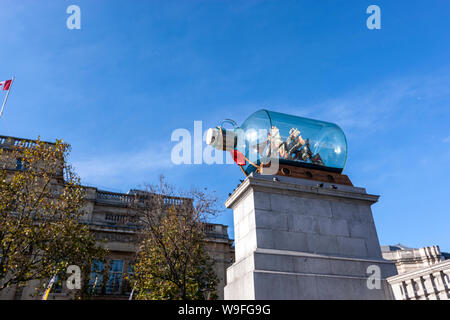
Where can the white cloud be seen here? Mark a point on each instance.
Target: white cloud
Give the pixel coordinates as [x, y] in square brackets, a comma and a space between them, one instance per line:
[382, 105]
[125, 167]
[363, 109]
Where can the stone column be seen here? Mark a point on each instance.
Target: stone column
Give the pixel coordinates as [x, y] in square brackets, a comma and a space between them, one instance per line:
[429, 287]
[302, 239]
[441, 293]
[397, 291]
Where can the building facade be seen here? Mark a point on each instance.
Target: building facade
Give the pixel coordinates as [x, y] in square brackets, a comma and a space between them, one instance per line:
[423, 273]
[108, 215]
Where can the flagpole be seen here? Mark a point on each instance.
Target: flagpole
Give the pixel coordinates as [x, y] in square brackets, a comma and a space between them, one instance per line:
[49, 287]
[95, 284]
[132, 291]
[6, 98]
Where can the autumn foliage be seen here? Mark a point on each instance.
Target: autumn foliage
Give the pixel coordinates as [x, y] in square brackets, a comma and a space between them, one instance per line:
[41, 206]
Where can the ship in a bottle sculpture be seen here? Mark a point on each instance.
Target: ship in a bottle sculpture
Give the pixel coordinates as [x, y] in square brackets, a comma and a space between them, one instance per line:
[300, 147]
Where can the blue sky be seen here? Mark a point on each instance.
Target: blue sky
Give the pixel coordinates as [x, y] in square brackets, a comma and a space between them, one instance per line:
[137, 70]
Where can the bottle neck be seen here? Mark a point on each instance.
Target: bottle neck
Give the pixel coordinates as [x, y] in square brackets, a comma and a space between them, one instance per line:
[221, 139]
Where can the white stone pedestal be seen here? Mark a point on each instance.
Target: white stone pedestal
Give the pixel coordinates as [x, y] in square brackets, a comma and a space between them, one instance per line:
[297, 240]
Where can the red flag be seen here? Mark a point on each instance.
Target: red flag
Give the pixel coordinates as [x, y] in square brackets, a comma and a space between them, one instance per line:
[6, 87]
[238, 157]
[6, 84]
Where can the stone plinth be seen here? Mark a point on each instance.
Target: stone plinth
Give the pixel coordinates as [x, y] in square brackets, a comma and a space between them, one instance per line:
[302, 239]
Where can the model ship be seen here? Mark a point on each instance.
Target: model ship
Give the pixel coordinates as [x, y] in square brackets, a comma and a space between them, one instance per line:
[294, 148]
[292, 140]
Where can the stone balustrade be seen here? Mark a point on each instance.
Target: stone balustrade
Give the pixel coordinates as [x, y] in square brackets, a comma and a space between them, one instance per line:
[127, 198]
[107, 196]
[216, 231]
[7, 142]
[431, 283]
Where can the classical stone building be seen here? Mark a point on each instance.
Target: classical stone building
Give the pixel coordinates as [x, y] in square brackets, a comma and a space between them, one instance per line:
[410, 259]
[107, 214]
[423, 273]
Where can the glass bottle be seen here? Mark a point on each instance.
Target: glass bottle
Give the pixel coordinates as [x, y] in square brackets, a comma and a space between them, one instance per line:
[292, 140]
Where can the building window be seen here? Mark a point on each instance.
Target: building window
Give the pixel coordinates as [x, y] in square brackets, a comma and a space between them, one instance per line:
[128, 283]
[57, 286]
[96, 277]
[114, 284]
[21, 165]
[415, 286]
[445, 278]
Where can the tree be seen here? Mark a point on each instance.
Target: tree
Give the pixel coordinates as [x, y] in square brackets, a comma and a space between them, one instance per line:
[41, 206]
[171, 261]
